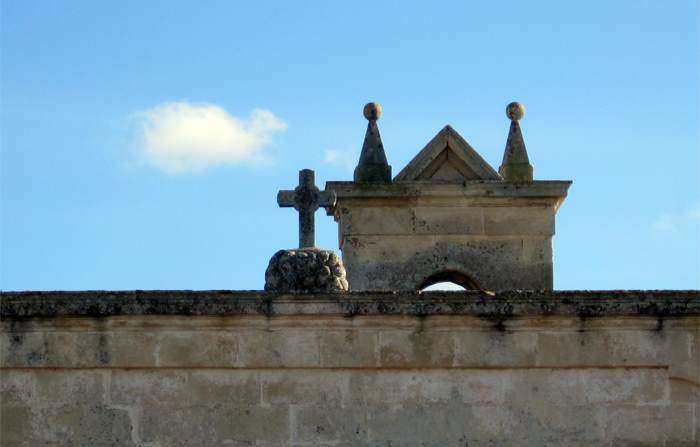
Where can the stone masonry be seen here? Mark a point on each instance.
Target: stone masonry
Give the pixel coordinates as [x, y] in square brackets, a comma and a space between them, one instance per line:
[448, 215]
[306, 269]
[370, 369]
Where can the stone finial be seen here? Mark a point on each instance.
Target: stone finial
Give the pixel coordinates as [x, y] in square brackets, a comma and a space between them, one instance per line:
[373, 166]
[305, 270]
[372, 111]
[515, 111]
[516, 165]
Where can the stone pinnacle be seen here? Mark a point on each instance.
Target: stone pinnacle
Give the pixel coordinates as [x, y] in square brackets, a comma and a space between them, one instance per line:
[516, 164]
[372, 166]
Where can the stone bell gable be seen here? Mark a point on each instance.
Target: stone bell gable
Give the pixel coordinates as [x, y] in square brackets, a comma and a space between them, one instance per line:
[449, 216]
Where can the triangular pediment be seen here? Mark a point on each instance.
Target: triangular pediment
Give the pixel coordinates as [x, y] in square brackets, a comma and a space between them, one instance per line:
[447, 158]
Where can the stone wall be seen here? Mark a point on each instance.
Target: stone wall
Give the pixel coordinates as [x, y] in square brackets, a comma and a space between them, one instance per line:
[433, 369]
[397, 236]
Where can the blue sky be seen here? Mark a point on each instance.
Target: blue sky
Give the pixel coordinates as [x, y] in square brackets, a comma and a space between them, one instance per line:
[102, 103]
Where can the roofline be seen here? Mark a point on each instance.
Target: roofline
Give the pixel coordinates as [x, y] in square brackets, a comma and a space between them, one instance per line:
[474, 188]
[29, 306]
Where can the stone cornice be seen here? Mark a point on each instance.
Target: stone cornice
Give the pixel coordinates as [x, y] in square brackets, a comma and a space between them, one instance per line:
[500, 306]
[476, 188]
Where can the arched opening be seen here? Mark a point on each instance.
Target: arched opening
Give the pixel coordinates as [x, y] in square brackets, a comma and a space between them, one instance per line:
[448, 280]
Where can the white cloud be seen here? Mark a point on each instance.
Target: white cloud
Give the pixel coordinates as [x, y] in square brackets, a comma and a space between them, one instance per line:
[178, 137]
[664, 223]
[340, 157]
[694, 212]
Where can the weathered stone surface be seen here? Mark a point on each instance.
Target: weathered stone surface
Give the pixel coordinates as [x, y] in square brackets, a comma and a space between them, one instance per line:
[20, 311]
[81, 425]
[483, 348]
[284, 347]
[359, 348]
[176, 347]
[329, 424]
[415, 348]
[398, 262]
[305, 270]
[372, 166]
[306, 198]
[432, 369]
[182, 387]
[516, 165]
[497, 234]
[447, 149]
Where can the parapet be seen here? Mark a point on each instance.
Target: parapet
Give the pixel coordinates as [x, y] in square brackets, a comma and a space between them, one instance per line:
[355, 368]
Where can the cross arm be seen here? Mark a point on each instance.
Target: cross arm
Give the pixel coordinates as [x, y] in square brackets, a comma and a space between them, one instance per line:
[286, 198]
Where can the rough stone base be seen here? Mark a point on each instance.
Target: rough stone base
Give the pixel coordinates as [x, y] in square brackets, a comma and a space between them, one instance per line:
[305, 270]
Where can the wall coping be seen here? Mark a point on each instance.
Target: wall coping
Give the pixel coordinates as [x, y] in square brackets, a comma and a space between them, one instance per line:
[499, 306]
[468, 188]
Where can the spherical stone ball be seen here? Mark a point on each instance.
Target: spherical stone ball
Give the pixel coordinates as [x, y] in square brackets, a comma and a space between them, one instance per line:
[372, 111]
[515, 111]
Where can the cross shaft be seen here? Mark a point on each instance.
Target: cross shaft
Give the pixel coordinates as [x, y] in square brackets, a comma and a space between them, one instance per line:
[306, 199]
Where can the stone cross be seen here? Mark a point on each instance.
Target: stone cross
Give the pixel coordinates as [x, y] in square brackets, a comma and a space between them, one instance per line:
[306, 198]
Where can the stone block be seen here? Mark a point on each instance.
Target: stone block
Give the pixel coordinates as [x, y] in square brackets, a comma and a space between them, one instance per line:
[240, 387]
[416, 348]
[377, 220]
[59, 387]
[426, 386]
[131, 348]
[197, 348]
[70, 349]
[23, 349]
[276, 348]
[593, 346]
[533, 423]
[589, 348]
[17, 388]
[657, 424]
[680, 348]
[83, 425]
[495, 348]
[349, 348]
[640, 386]
[537, 252]
[297, 387]
[87, 349]
[219, 425]
[441, 220]
[684, 390]
[316, 424]
[519, 221]
[16, 426]
[589, 386]
[426, 425]
[194, 387]
[147, 387]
